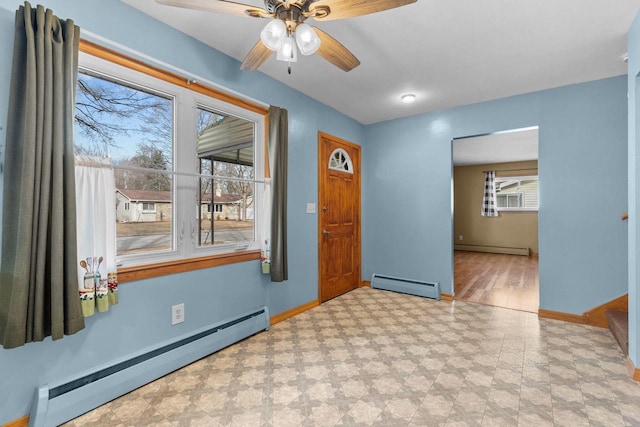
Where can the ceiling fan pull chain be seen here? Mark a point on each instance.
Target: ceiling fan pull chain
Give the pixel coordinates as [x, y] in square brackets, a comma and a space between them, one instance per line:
[291, 55]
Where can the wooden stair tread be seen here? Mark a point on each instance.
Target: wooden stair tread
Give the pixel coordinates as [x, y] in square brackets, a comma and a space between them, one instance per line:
[619, 326]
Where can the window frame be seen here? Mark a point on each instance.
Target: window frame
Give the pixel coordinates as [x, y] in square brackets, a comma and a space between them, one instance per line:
[175, 261]
[345, 166]
[518, 194]
[260, 131]
[517, 191]
[147, 210]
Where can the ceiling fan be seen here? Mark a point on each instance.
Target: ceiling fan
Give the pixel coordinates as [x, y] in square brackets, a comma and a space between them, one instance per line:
[288, 32]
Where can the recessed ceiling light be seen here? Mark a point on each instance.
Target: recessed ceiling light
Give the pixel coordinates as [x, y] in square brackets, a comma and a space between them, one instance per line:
[408, 98]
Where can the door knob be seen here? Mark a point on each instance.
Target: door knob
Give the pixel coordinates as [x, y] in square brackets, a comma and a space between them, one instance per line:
[326, 232]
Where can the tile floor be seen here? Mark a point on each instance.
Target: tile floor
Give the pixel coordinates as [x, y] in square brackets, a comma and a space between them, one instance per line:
[372, 357]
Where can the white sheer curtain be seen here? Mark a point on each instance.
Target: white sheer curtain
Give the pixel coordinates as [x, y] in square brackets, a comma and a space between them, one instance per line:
[96, 231]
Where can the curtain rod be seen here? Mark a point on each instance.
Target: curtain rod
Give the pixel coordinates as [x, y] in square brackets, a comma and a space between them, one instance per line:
[513, 170]
[96, 164]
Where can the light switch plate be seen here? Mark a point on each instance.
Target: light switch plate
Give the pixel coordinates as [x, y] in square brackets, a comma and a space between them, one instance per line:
[311, 208]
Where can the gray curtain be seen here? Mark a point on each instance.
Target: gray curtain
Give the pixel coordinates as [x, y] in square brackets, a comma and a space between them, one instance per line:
[278, 148]
[38, 271]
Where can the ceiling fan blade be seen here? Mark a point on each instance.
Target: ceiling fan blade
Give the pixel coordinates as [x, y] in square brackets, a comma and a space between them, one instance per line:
[256, 57]
[217, 6]
[333, 51]
[340, 9]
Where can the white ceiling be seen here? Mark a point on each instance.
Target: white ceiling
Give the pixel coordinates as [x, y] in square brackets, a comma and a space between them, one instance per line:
[447, 52]
[510, 146]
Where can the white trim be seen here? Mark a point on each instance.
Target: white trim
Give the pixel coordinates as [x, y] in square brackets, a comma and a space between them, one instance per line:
[154, 210]
[497, 133]
[340, 167]
[517, 179]
[188, 75]
[183, 238]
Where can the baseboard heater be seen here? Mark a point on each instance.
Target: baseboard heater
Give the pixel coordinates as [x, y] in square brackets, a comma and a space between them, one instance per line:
[62, 401]
[492, 249]
[406, 286]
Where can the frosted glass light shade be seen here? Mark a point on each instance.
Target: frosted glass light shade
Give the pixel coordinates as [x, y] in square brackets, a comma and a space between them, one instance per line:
[288, 51]
[307, 39]
[408, 98]
[274, 34]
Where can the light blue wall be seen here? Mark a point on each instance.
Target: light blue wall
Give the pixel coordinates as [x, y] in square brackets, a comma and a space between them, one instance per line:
[142, 318]
[583, 190]
[406, 201]
[634, 190]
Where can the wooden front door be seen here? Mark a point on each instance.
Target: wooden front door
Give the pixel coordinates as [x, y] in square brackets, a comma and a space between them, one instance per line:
[339, 216]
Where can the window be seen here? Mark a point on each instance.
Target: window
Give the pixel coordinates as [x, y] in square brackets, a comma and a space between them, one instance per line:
[225, 153]
[148, 207]
[217, 208]
[175, 148]
[517, 193]
[340, 161]
[131, 123]
[510, 200]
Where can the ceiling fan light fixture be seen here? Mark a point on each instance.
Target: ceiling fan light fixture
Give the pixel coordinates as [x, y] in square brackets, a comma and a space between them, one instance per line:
[273, 35]
[288, 51]
[307, 39]
[285, 16]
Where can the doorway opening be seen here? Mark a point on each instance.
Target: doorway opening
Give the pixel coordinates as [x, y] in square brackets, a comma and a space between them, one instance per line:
[495, 219]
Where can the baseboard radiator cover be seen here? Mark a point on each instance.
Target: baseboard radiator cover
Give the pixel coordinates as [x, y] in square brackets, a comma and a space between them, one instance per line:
[492, 249]
[59, 402]
[406, 286]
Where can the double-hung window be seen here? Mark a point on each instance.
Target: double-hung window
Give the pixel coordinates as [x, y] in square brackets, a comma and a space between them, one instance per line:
[188, 168]
[148, 207]
[520, 193]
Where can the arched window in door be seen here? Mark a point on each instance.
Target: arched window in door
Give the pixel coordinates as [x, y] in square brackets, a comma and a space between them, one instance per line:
[340, 161]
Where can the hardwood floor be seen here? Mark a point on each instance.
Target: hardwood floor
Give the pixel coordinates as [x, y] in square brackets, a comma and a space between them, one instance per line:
[509, 281]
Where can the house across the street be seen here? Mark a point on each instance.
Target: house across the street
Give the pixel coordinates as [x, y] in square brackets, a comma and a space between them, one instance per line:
[151, 206]
[142, 205]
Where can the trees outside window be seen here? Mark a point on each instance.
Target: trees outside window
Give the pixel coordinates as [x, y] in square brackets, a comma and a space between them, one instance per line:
[170, 147]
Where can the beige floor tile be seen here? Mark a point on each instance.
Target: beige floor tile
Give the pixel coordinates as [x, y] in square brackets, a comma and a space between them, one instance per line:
[288, 417]
[570, 417]
[375, 358]
[364, 413]
[326, 415]
[604, 415]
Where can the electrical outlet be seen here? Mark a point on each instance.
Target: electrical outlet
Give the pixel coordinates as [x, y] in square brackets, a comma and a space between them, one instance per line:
[177, 314]
[461, 237]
